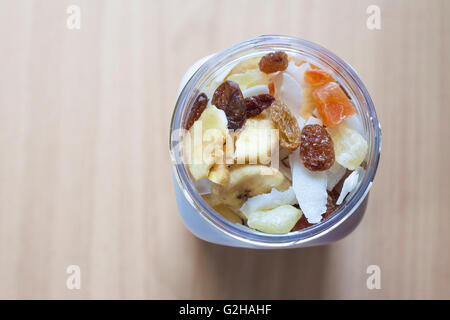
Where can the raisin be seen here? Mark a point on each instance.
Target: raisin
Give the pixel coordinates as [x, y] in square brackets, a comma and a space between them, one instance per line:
[256, 104]
[287, 125]
[273, 62]
[198, 107]
[331, 204]
[316, 148]
[228, 97]
[301, 224]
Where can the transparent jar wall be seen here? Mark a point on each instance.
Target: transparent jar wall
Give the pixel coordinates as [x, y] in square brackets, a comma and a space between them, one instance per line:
[196, 213]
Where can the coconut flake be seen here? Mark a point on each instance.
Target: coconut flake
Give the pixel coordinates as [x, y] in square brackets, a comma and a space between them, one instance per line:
[256, 90]
[310, 188]
[314, 120]
[334, 175]
[288, 91]
[298, 72]
[355, 123]
[284, 167]
[300, 121]
[269, 201]
[348, 186]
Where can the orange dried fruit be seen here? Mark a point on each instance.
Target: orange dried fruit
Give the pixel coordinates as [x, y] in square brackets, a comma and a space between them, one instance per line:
[332, 104]
[317, 77]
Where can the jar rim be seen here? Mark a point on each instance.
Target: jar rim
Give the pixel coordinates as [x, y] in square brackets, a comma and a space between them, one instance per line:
[246, 234]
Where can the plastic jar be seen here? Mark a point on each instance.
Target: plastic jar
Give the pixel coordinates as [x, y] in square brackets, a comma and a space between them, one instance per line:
[202, 220]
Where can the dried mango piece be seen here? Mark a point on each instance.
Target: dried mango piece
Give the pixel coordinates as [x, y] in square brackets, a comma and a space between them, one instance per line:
[350, 148]
[332, 104]
[317, 77]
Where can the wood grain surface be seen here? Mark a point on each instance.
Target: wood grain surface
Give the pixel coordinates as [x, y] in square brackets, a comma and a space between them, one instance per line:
[85, 175]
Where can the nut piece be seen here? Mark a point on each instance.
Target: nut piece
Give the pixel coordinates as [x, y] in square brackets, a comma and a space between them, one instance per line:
[286, 123]
[273, 62]
[229, 98]
[199, 106]
[317, 148]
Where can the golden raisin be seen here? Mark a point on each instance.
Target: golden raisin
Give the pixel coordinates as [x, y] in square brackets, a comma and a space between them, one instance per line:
[287, 125]
[256, 104]
[198, 107]
[316, 148]
[228, 97]
[273, 62]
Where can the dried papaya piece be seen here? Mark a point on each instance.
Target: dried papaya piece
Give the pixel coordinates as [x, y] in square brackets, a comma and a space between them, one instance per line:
[332, 104]
[317, 77]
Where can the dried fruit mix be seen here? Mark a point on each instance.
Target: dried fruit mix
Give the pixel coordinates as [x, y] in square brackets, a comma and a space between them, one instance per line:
[308, 108]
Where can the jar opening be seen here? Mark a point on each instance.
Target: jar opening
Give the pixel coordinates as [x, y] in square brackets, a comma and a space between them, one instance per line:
[344, 75]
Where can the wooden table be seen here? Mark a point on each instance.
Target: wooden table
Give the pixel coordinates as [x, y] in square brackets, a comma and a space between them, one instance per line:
[85, 176]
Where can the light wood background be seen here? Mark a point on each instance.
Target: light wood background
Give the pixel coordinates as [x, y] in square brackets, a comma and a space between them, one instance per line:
[85, 176]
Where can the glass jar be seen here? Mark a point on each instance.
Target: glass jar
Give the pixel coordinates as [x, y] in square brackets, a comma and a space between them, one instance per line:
[202, 220]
